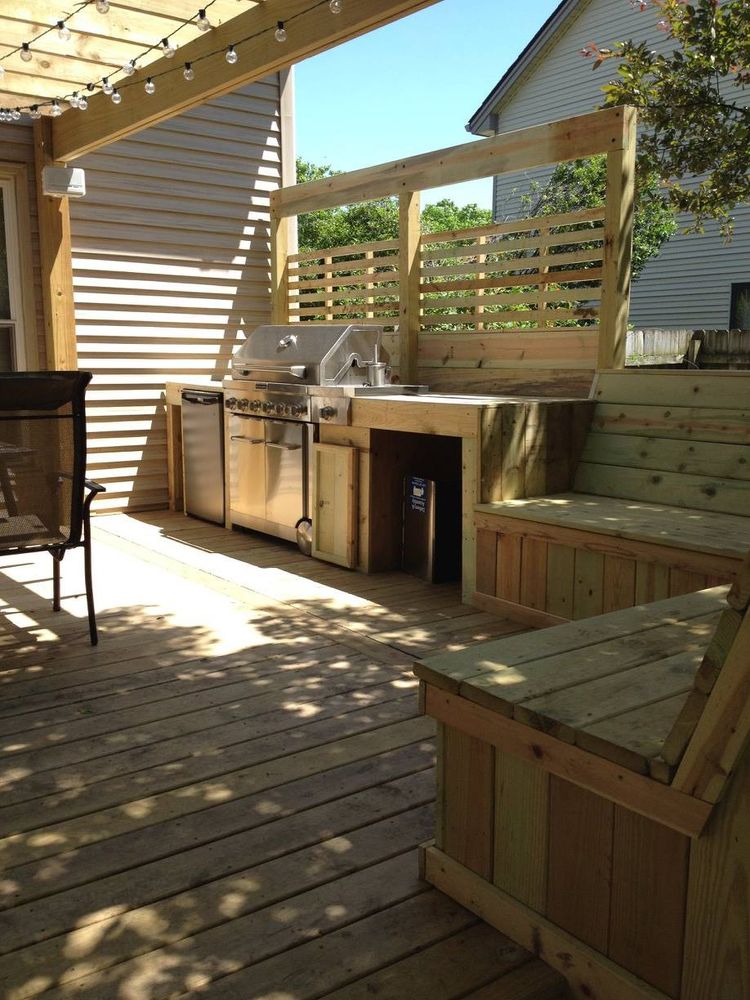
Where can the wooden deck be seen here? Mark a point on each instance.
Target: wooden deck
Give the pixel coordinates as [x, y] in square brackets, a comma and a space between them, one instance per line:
[224, 798]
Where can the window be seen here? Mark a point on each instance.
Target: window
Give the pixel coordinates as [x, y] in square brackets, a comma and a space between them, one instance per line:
[739, 313]
[12, 345]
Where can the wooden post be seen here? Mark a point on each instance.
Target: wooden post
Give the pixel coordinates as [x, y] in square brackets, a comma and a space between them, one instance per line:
[544, 232]
[479, 309]
[55, 261]
[369, 301]
[280, 234]
[328, 275]
[409, 296]
[618, 247]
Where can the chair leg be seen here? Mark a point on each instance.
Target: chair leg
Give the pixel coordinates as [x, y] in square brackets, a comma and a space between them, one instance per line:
[94, 635]
[55, 582]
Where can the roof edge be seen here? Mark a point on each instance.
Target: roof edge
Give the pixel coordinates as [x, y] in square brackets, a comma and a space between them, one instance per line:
[480, 122]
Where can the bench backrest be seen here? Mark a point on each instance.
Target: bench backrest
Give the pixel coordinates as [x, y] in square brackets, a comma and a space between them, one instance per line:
[680, 438]
[713, 729]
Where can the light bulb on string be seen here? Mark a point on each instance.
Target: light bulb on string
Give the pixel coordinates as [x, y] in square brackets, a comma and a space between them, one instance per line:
[150, 86]
[336, 6]
[15, 114]
[107, 87]
[34, 113]
[55, 111]
[102, 6]
[116, 96]
[63, 31]
[188, 72]
[231, 56]
[280, 33]
[168, 48]
[202, 23]
[129, 68]
[82, 103]
[73, 99]
[26, 53]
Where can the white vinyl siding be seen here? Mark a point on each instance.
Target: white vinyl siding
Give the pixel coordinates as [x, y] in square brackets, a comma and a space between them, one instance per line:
[689, 284]
[171, 270]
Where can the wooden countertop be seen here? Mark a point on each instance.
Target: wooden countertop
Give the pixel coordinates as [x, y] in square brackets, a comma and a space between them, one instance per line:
[453, 415]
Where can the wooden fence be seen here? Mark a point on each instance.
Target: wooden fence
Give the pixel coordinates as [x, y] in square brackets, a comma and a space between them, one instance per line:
[533, 305]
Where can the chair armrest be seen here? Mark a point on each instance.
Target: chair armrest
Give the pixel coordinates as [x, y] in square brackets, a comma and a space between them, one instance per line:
[94, 487]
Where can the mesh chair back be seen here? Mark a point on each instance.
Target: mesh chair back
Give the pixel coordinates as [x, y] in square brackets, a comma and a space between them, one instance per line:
[42, 458]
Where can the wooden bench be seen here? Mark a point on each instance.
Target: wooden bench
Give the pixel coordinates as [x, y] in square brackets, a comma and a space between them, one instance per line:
[659, 506]
[594, 794]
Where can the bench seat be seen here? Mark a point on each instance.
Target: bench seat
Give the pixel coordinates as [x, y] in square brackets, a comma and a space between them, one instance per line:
[615, 685]
[636, 520]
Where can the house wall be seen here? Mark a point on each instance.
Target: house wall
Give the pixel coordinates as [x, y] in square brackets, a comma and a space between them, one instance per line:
[171, 268]
[17, 147]
[689, 283]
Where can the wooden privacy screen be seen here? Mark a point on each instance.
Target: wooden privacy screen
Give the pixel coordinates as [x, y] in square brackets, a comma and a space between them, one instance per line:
[533, 305]
[517, 295]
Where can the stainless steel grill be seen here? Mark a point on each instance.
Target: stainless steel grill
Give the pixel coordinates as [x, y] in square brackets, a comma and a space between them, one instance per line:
[286, 379]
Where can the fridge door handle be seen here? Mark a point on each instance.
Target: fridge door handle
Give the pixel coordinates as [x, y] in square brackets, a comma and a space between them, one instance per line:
[282, 446]
[241, 437]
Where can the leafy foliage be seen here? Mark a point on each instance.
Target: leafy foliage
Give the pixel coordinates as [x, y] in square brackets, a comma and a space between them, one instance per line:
[367, 222]
[691, 101]
[582, 184]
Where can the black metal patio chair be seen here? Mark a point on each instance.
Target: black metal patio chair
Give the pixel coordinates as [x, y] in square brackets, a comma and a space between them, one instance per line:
[45, 498]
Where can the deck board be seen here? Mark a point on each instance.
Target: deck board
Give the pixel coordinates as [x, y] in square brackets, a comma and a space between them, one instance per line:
[225, 797]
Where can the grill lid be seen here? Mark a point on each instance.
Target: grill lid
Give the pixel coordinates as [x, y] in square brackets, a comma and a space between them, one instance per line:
[308, 354]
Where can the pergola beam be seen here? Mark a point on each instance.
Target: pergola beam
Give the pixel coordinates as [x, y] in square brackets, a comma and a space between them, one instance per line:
[311, 28]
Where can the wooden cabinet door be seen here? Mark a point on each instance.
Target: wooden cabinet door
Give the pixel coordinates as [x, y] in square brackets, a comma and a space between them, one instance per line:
[334, 508]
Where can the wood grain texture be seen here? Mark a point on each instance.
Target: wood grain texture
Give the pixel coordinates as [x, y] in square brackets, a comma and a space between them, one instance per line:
[649, 888]
[521, 830]
[468, 776]
[580, 862]
[717, 928]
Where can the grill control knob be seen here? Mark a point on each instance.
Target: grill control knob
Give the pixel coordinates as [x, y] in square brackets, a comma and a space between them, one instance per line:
[267, 407]
[255, 405]
[280, 408]
[298, 409]
[327, 412]
[230, 403]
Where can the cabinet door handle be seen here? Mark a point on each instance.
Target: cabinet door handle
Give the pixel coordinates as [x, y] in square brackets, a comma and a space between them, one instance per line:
[284, 447]
[241, 437]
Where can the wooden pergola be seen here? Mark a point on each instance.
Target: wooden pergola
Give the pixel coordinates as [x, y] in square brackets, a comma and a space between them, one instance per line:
[100, 44]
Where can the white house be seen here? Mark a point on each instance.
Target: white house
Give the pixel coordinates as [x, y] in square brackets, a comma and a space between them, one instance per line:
[697, 281]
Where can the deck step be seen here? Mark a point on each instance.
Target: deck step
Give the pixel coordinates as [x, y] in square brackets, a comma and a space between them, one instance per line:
[531, 981]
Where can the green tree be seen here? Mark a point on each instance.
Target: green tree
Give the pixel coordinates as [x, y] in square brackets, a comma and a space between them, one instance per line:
[366, 222]
[692, 100]
[582, 184]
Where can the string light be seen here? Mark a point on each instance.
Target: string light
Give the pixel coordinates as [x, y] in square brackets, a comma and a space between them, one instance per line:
[16, 114]
[34, 112]
[166, 47]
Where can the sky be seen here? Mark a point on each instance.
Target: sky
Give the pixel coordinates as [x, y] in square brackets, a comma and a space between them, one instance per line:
[411, 86]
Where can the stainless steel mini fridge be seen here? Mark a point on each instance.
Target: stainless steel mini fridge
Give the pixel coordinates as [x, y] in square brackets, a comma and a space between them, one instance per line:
[432, 529]
[203, 454]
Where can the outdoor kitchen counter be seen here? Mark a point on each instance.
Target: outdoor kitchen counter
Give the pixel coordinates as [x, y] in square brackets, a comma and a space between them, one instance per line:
[510, 447]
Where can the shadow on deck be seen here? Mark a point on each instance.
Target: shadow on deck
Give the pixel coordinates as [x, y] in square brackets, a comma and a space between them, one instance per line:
[224, 798]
